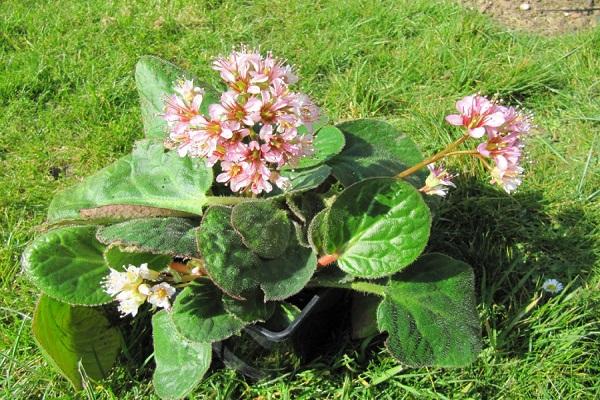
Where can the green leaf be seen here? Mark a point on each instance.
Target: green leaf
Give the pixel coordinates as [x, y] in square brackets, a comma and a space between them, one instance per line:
[69, 335]
[148, 177]
[174, 236]
[317, 231]
[251, 310]
[155, 79]
[117, 258]
[230, 264]
[429, 313]
[305, 206]
[265, 229]
[283, 277]
[364, 315]
[180, 363]
[199, 315]
[302, 180]
[375, 227]
[373, 148]
[67, 264]
[328, 142]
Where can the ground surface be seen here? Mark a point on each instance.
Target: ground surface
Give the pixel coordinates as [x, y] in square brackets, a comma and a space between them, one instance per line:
[69, 107]
[543, 16]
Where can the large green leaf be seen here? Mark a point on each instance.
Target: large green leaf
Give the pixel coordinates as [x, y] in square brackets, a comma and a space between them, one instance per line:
[230, 264]
[155, 79]
[264, 227]
[118, 259]
[180, 363]
[429, 313]
[67, 264]
[148, 177]
[373, 148]
[375, 227]
[302, 180]
[285, 276]
[175, 236]
[70, 335]
[328, 142]
[251, 310]
[199, 315]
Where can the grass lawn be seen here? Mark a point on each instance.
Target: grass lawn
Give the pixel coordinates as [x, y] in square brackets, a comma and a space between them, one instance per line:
[69, 107]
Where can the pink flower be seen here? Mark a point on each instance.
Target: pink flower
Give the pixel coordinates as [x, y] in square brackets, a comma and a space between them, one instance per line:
[516, 122]
[438, 181]
[235, 71]
[477, 114]
[182, 107]
[253, 131]
[236, 174]
[270, 69]
[230, 108]
[509, 178]
[504, 150]
[308, 111]
[260, 180]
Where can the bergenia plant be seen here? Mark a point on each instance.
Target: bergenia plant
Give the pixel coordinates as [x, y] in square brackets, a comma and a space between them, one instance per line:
[237, 201]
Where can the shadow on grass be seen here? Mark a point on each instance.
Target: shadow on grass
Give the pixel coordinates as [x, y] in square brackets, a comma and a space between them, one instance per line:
[513, 244]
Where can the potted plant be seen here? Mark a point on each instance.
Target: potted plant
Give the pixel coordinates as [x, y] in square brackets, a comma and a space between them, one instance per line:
[236, 201]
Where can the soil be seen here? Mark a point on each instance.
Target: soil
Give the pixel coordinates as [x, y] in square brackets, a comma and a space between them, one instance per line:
[541, 16]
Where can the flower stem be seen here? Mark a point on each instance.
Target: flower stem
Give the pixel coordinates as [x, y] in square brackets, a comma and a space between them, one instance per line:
[446, 152]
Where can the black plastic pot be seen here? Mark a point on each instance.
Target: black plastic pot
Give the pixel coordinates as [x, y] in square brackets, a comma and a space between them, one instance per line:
[310, 329]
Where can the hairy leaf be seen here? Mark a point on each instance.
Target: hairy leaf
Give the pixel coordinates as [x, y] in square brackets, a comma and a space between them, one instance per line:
[373, 148]
[265, 229]
[180, 363]
[285, 276]
[67, 264]
[230, 264]
[375, 227]
[302, 180]
[118, 259]
[199, 315]
[175, 236]
[147, 177]
[70, 335]
[251, 310]
[429, 313]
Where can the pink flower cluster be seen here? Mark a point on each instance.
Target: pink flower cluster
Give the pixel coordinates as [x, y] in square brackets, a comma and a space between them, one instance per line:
[253, 131]
[504, 128]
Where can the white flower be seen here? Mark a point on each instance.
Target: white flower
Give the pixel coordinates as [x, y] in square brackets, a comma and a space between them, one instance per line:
[130, 300]
[552, 286]
[115, 282]
[132, 277]
[438, 181]
[160, 294]
[132, 287]
[147, 273]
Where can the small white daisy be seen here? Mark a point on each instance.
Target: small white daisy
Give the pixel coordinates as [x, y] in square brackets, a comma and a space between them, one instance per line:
[552, 286]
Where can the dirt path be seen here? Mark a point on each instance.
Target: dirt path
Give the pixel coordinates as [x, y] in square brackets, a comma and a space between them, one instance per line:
[543, 16]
